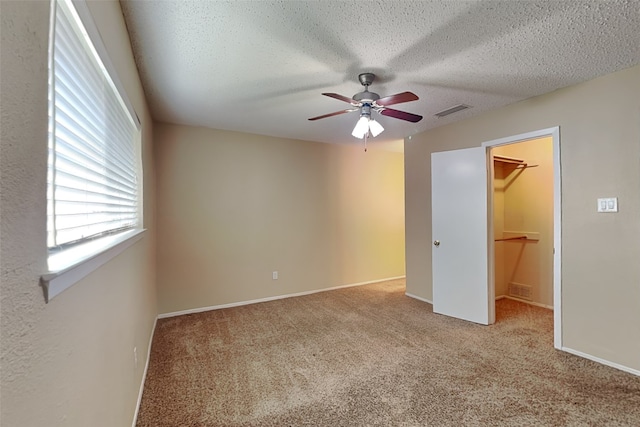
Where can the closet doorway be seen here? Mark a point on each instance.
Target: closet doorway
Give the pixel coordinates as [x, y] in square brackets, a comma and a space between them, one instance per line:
[523, 221]
[464, 229]
[524, 199]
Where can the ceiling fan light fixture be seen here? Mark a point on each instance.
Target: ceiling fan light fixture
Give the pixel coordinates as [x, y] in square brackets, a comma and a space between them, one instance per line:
[362, 127]
[375, 128]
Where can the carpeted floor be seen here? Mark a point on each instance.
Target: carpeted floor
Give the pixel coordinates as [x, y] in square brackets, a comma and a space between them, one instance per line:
[370, 356]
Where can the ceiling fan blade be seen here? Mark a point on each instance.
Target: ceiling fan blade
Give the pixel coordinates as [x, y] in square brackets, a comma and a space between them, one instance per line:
[402, 115]
[338, 96]
[324, 116]
[397, 98]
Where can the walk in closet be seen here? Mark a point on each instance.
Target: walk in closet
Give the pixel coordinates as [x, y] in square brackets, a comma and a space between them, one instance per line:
[523, 221]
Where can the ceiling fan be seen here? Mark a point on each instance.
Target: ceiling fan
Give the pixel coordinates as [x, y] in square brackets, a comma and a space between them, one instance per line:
[366, 101]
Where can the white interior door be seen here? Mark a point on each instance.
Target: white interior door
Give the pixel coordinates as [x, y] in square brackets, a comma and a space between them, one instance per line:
[460, 232]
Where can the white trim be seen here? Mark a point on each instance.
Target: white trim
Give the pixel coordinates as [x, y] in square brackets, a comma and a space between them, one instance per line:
[144, 374]
[537, 304]
[56, 281]
[491, 244]
[418, 298]
[255, 301]
[602, 361]
[523, 137]
[557, 240]
[554, 133]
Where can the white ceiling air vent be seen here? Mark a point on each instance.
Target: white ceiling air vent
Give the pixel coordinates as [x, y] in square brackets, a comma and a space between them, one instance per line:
[452, 110]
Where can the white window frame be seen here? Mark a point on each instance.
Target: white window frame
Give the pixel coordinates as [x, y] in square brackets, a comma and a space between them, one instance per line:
[68, 266]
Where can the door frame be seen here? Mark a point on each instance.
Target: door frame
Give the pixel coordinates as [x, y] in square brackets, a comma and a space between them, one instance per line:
[554, 133]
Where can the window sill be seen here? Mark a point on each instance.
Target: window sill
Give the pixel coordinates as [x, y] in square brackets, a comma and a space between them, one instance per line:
[67, 268]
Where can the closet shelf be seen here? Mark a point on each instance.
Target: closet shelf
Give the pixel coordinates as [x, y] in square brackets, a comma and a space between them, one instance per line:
[512, 238]
[522, 236]
[519, 163]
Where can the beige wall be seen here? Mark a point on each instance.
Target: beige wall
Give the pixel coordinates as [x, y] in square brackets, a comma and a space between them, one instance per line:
[233, 207]
[69, 362]
[526, 199]
[600, 156]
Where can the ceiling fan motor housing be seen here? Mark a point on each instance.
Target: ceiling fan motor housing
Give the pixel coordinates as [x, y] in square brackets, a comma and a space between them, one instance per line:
[366, 97]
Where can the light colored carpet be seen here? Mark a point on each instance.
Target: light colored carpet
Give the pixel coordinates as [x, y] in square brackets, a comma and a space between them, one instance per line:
[370, 356]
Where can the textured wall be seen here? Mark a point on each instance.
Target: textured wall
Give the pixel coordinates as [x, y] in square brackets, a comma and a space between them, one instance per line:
[233, 207]
[599, 152]
[69, 362]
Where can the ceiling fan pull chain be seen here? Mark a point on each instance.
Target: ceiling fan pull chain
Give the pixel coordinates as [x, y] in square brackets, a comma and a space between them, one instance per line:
[366, 136]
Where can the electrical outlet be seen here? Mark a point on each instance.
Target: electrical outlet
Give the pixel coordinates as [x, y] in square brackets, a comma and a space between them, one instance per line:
[274, 275]
[135, 356]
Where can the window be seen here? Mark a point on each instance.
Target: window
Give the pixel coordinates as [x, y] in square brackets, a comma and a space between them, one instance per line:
[93, 180]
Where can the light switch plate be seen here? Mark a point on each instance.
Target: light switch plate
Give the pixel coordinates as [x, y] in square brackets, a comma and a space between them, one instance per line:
[608, 204]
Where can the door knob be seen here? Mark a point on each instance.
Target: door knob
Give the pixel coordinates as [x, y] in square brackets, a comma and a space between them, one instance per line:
[436, 243]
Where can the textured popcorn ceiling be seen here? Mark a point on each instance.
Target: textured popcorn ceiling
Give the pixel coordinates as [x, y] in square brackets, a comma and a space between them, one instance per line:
[261, 66]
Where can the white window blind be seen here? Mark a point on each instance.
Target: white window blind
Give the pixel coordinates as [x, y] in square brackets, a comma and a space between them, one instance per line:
[93, 165]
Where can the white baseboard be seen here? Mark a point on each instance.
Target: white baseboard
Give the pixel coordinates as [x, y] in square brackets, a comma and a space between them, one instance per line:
[144, 374]
[537, 304]
[602, 361]
[418, 298]
[255, 301]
